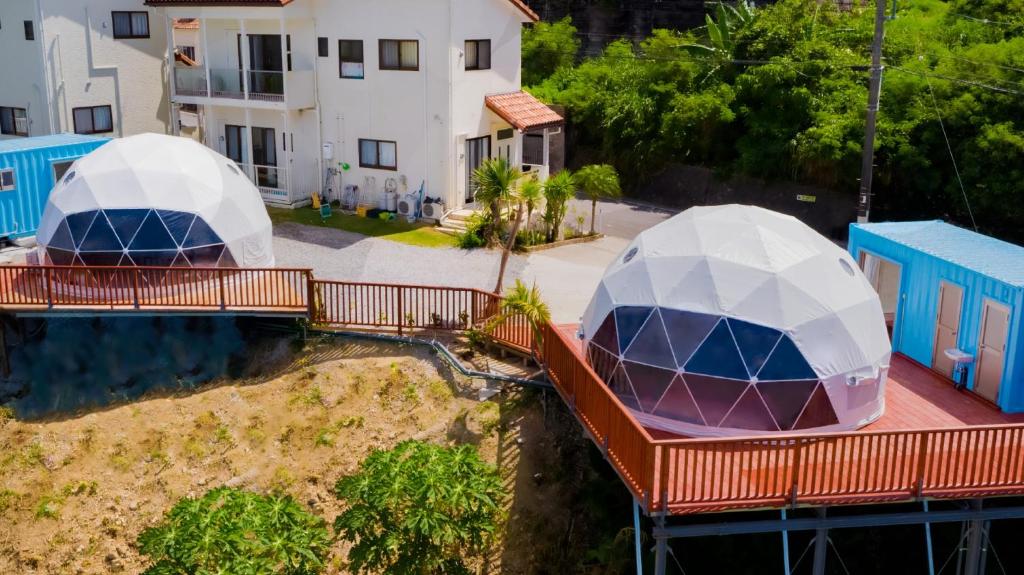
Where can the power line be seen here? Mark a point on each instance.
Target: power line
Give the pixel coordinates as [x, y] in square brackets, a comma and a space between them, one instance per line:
[952, 157]
[977, 63]
[957, 80]
[988, 21]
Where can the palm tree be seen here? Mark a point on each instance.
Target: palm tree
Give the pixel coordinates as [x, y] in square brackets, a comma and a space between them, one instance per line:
[515, 195]
[598, 182]
[532, 194]
[527, 303]
[494, 181]
[558, 190]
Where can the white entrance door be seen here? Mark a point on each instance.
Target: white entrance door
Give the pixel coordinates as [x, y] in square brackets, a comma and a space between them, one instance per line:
[947, 326]
[995, 323]
[478, 150]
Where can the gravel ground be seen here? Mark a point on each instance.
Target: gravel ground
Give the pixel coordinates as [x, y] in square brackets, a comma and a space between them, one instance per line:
[339, 255]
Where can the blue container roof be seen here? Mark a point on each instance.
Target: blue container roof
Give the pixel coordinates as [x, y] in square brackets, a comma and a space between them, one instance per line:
[983, 254]
[54, 141]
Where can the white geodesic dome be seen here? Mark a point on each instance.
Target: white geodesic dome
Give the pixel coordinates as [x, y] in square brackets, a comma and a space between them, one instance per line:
[736, 320]
[156, 200]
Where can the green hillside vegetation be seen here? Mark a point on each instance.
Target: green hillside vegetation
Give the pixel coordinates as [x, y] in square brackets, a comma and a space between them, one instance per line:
[779, 92]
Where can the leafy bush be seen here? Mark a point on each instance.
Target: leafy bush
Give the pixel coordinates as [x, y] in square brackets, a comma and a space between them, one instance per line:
[548, 47]
[558, 190]
[473, 237]
[419, 508]
[234, 531]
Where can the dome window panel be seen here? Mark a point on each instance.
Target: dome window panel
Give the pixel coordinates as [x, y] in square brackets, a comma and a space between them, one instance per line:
[623, 389]
[818, 412]
[178, 223]
[181, 262]
[60, 257]
[628, 321]
[62, 237]
[786, 362]
[718, 356]
[651, 346]
[677, 403]
[101, 258]
[649, 383]
[786, 399]
[755, 342]
[200, 235]
[126, 223]
[602, 361]
[101, 237]
[163, 258]
[79, 225]
[686, 330]
[714, 396]
[152, 235]
[606, 336]
[206, 257]
[750, 412]
[227, 260]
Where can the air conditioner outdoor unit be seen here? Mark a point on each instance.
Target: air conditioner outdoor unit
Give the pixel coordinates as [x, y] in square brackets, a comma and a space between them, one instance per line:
[407, 206]
[433, 211]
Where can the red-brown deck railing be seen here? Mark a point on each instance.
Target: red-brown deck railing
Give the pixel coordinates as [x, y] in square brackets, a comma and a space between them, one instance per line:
[670, 476]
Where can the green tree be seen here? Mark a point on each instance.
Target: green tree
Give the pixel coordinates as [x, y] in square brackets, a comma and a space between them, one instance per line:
[234, 531]
[598, 182]
[548, 47]
[558, 190]
[532, 194]
[419, 509]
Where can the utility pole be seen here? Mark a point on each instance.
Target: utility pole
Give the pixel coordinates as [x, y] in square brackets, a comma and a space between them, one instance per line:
[874, 94]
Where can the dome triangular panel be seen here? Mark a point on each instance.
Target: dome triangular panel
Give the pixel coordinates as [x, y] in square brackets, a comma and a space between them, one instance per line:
[628, 321]
[755, 342]
[818, 412]
[79, 224]
[678, 403]
[153, 235]
[786, 363]
[750, 413]
[714, 396]
[651, 346]
[786, 399]
[718, 356]
[649, 383]
[101, 237]
[686, 330]
[126, 223]
[606, 336]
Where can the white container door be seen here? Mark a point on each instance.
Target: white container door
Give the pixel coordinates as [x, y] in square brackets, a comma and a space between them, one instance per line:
[995, 323]
[947, 326]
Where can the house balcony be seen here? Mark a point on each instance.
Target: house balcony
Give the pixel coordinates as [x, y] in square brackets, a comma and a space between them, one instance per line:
[265, 89]
[284, 186]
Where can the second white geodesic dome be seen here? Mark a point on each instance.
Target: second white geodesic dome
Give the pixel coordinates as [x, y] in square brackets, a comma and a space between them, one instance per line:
[156, 200]
[736, 320]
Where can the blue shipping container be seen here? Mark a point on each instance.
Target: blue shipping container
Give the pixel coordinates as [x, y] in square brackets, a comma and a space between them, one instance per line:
[29, 168]
[943, 287]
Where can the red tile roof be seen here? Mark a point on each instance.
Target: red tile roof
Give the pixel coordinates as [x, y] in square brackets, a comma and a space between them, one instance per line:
[520, 4]
[186, 24]
[523, 111]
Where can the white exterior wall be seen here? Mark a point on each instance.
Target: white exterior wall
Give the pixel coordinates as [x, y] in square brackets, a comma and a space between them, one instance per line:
[24, 85]
[428, 112]
[83, 65]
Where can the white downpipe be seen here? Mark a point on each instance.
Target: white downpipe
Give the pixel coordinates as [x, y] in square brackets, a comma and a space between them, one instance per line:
[450, 195]
[171, 88]
[426, 112]
[47, 87]
[320, 167]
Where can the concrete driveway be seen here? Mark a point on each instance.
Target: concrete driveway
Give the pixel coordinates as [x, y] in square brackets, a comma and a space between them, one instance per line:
[567, 276]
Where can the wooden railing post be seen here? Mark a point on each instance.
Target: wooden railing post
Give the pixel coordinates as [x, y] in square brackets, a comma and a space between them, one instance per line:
[472, 308]
[223, 294]
[49, 288]
[310, 296]
[922, 461]
[135, 287]
[797, 461]
[401, 309]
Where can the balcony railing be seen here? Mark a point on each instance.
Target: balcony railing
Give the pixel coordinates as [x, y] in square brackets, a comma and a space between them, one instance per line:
[250, 85]
[282, 185]
[190, 81]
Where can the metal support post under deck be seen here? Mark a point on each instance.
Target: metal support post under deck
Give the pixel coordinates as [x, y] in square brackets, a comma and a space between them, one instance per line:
[660, 551]
[820, 546]
[928, 542]
[785, 547]
[636, 539]
[975, 536]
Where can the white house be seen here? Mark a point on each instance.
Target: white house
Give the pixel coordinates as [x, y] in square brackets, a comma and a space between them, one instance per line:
[318, 95]
[95, 67]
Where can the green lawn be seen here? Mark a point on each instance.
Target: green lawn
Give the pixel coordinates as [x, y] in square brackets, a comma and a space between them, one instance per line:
[399, 230]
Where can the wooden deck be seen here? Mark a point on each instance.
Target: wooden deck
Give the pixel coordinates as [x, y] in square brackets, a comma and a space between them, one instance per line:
[932, 442]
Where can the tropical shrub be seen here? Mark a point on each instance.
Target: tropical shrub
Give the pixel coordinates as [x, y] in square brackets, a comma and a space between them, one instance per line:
[548, 47]
[558, 190]
[234, 531]
[419, 508]
[598, 182]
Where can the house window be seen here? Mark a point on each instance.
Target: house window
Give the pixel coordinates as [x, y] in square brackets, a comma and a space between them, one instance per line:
[478, 54]
[6, 180]
[93, 120]
[378, 154]
[321, 47]
[130, 24]
[350, 56]
[187, 51]
[400, 55]
[30, 30]
[506, 134]
[13, 121]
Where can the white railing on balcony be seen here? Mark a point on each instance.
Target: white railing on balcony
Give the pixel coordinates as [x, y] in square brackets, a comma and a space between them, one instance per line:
[190, 81]
[226, 83]
[266, 85]
[282, 185]
[20, 125]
